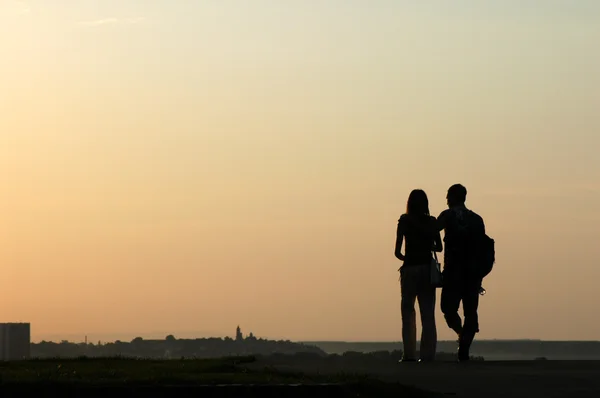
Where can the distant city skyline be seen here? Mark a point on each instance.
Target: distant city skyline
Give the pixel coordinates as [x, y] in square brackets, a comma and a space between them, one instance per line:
[159, 335]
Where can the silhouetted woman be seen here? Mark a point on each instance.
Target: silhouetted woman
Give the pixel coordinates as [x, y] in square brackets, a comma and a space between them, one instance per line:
[418, 229]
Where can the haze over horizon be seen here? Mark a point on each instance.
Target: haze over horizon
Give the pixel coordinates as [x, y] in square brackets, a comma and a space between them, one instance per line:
[198, 165]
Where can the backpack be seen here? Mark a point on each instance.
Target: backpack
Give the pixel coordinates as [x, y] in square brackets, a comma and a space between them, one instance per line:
[483, 253]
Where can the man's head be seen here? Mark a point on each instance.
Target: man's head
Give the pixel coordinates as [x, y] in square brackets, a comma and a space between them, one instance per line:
[457, 195]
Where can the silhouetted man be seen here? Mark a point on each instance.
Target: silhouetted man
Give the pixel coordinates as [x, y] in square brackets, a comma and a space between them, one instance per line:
[461, 282]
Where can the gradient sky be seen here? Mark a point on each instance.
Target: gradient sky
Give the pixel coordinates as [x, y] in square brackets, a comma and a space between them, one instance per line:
[187, 166]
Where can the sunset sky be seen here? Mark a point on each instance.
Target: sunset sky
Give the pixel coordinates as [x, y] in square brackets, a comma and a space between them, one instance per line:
[187, 166]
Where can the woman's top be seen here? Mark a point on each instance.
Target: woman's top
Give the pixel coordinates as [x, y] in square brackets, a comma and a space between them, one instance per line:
[420, 233]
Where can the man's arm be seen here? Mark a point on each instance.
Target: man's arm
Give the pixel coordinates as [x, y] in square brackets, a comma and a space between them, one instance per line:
[437, 245]
[441, 220]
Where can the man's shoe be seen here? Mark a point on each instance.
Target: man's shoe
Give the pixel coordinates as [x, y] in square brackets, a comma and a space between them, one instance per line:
[463, 354]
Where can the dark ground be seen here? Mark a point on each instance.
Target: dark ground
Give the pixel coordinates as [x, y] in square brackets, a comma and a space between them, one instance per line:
[293, 376]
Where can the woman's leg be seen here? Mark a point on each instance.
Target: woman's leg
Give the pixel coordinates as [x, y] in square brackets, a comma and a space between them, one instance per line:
[427, 301]
[408, 285]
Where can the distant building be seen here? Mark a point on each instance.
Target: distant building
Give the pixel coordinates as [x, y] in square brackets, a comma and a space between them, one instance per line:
[15, 341]
[238, 334]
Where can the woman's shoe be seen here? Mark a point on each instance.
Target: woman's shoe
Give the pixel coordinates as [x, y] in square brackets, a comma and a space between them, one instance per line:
[407, 360]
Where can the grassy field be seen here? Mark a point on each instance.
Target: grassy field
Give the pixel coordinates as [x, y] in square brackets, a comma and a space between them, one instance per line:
[186, 377]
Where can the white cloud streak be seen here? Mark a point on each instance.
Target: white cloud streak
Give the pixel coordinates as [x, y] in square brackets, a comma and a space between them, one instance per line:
[112, 21]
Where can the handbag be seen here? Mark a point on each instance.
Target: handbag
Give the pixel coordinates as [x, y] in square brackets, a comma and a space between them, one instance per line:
[436, 272]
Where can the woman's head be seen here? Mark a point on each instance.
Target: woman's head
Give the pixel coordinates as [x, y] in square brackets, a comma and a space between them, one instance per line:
[417, 203]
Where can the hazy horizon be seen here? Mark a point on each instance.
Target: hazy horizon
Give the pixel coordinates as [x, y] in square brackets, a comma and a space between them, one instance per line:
[199, 165]
[158, 335]
[161, 335]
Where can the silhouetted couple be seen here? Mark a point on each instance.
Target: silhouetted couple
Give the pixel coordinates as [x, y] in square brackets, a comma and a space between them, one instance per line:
[463, 229]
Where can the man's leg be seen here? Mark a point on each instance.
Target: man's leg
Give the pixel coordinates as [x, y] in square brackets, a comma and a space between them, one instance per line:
[471, 325]
[428, 333]
[450, 301]
[408, 285]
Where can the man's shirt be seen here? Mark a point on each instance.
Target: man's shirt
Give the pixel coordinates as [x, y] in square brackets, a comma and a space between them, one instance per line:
[458, 222]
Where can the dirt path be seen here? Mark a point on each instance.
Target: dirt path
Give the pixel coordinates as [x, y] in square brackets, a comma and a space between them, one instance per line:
[527, 379]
